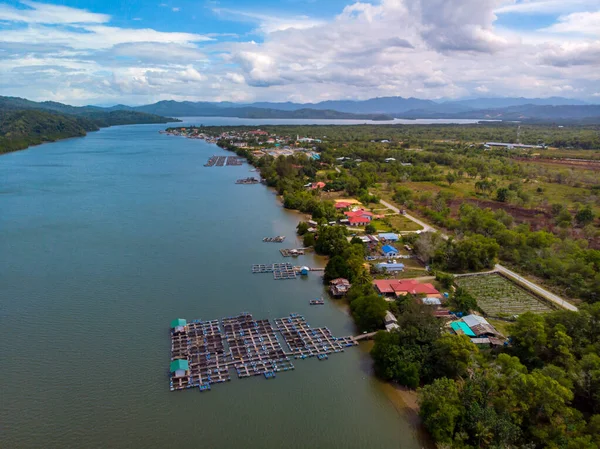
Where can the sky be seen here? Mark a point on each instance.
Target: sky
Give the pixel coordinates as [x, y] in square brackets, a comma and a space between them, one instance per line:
[142, 51]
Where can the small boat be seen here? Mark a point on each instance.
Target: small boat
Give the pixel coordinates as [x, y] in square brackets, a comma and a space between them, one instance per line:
[317, 302]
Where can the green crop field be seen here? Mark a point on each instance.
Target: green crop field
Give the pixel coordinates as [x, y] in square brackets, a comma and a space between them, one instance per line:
[500, 297]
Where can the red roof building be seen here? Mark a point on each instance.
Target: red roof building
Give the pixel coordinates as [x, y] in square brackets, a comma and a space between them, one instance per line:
[405, 287]
[359, 221]
[317, 185]
[342, 205]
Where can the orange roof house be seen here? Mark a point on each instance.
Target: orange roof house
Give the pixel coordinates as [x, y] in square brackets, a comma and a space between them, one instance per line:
[405, 287]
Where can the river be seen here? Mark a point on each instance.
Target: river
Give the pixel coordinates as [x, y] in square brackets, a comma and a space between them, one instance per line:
[103, 241]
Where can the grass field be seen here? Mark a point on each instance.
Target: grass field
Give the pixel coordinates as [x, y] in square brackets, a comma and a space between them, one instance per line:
[500, 297]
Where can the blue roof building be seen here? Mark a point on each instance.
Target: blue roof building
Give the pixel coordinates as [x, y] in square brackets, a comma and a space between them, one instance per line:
[389, 251]
[389, 236]
[390, 267]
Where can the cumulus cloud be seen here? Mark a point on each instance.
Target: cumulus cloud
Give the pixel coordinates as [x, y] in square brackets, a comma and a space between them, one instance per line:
[579, 22]
[421, 48]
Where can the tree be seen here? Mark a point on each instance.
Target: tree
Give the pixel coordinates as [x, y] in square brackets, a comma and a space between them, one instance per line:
[337, 267]
[451, 178]
[462, 301]
[502, 194]
[331, 240]
[427, 244]
[302, 228]
[308, 240]
[369, 312]
[395, 362]
[584, 216]
[453, 355]
[440, 409]
[370, 228]
[529, 338]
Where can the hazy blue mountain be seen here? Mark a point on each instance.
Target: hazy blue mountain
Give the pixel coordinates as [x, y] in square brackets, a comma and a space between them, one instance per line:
[495, 103]
[525, 113]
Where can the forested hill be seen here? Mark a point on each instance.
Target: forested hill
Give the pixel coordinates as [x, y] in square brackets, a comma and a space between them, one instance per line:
[24, 123]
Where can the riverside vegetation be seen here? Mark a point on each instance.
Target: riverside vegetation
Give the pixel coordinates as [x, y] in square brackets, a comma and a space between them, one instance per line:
[24, 123]
[543, 390]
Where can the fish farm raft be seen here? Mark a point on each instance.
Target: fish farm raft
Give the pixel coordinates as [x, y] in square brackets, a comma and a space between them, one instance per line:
[220, 161]
[204, 352]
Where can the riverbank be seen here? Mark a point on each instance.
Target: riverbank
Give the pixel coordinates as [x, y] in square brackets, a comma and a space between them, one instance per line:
[134, 233]
[403, 399]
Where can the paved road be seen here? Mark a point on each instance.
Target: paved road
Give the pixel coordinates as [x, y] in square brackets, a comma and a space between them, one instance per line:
[536, 288]
[426, 227]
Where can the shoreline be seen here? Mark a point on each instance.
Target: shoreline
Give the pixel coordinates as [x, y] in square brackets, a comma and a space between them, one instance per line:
[402, 398]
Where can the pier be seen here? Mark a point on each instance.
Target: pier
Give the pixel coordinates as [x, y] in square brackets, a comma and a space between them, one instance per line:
[204, 352]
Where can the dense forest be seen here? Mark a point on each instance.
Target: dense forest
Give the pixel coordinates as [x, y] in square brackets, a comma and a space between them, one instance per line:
[542, 391]
[24, 123]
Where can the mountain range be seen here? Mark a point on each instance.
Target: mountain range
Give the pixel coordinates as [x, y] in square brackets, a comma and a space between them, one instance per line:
[384, 108]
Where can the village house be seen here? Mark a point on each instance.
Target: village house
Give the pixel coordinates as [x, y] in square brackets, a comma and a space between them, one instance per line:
[359, 213]
[390, 267]
[342, 205]
[358, 221]
[391, 323]
[339, 287]
[389, 237]
[389, 251]
[395, 288]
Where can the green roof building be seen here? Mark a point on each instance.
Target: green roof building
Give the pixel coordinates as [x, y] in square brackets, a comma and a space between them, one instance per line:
[179, 367]
[461, 328]
[179, 322]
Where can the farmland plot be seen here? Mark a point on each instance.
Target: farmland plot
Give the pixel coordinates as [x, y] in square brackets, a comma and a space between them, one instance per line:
[498, 296]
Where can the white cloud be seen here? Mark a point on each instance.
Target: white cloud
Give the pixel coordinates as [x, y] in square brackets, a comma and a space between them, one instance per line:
[175, 9]
[49, 14]
[544, 6]
[267, 23]
[579, 22]
[421, 48]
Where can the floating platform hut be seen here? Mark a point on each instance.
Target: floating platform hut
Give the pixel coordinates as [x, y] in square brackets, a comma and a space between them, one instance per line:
[204, 352]
[278, 239]
[292, 252]
[251, 180]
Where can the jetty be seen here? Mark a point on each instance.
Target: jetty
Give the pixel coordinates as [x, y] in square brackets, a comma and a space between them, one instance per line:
[204, 353]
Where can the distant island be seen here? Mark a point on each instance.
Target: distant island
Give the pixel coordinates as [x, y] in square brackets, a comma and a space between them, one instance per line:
[24, 123]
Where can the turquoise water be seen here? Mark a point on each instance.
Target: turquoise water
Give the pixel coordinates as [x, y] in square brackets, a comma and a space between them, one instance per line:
[103, 241]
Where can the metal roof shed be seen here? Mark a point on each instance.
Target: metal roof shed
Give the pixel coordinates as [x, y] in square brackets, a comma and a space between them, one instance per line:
[179, 367]
[179, 322]
[461, 328]
[474, 320]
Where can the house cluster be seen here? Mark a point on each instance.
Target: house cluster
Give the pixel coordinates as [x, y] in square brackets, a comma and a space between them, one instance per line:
[479, 330]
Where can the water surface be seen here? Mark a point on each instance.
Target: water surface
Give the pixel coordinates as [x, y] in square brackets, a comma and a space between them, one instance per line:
[103, 241]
